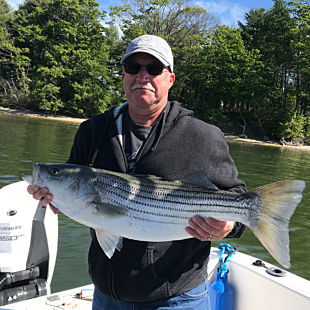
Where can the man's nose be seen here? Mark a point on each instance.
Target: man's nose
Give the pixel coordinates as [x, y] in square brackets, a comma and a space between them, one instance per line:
[143, 74]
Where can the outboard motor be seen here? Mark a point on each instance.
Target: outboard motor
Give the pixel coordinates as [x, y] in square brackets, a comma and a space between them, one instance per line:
[28, 245]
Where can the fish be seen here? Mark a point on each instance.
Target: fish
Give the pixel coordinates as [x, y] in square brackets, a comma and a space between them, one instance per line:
[148, 208]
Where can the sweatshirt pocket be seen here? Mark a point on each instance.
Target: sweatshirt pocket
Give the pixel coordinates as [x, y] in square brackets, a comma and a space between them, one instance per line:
[154, 262]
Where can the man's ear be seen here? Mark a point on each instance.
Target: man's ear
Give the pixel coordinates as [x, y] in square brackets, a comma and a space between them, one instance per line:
[172, 79]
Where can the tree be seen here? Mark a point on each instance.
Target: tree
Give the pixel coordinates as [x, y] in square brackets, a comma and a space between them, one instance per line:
[232, 76]
[301, 31]
[270, 33]
[173, 20]
[5, 11]
[13, 65]
[252, 31]
[68, 53]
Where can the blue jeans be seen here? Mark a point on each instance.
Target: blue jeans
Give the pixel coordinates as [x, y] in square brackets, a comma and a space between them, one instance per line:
[195, 299]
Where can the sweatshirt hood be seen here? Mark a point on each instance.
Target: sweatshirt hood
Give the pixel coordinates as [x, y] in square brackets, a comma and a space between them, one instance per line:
[174, 111]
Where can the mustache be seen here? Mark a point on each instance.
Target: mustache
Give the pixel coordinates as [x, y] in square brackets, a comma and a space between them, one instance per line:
[143, 86]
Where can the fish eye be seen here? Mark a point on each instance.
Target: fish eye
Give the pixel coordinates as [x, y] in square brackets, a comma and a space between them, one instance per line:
[55, 171]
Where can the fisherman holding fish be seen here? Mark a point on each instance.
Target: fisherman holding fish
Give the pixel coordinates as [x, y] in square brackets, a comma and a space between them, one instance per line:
[149, 135]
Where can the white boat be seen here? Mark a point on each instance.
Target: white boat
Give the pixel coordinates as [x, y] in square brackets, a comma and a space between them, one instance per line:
[255, 287]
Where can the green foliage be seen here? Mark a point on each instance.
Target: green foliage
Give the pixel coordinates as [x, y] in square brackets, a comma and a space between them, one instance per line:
[300, 10]
[235, 71]
[5, 12]
[68, 54]
[272, 33]
[295, 127]
[13, 64]
[307, 126]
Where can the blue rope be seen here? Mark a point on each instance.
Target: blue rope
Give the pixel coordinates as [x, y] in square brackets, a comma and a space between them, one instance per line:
[230, 251]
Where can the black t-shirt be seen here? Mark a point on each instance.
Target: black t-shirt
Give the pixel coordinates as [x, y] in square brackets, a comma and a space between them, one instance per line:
[133, 136]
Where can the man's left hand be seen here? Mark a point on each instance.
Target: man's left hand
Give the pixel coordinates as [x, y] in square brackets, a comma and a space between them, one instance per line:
[209, 229]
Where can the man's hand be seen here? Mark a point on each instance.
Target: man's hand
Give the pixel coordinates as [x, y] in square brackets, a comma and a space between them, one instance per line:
[43, 195]
[209, 229]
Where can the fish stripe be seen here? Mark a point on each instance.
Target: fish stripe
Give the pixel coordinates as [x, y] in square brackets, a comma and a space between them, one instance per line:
[172, 203]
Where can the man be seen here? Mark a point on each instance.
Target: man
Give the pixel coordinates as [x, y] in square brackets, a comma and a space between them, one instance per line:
[150, 135]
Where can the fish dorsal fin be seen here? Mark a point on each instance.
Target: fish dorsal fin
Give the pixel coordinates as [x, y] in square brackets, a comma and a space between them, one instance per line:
[108, 242]
[199, 179]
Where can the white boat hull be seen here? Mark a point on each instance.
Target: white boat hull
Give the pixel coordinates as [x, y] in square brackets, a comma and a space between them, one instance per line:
[254, 289]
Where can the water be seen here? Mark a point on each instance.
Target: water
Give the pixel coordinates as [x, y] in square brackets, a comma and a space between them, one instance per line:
[24, 141]
[259, 165]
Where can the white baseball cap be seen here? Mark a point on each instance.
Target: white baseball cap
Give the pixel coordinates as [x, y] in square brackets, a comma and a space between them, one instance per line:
[153, 45]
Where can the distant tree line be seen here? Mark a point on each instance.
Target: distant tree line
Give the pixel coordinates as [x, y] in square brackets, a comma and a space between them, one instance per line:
[62, 56]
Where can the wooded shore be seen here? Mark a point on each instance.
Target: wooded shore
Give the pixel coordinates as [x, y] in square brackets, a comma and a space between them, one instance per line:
[31, 114]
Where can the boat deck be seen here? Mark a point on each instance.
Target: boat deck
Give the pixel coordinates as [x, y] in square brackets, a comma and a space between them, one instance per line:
[78, 299]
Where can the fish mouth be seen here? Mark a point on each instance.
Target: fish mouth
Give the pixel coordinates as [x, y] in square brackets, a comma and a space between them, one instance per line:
[33, 178]
[27, 178]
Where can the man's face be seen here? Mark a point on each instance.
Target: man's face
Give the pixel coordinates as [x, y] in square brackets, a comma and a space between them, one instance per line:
[143, 90]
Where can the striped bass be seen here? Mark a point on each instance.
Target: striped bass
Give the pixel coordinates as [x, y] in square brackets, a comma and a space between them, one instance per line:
[147, 208]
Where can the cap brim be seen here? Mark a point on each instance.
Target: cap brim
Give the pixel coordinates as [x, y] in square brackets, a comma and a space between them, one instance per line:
[153, 53]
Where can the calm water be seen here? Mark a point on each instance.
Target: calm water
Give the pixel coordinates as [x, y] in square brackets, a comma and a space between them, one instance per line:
[24, 141]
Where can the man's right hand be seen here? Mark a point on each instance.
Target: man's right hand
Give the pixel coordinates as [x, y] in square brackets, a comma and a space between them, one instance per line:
[42, 194]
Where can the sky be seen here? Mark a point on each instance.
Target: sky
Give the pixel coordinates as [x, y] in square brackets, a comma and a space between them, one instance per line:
[228, 12]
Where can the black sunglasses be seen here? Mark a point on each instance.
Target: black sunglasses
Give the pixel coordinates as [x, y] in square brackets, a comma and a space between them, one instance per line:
[153, 69]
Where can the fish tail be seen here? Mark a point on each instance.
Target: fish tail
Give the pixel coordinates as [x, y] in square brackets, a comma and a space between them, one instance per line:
[279, 201]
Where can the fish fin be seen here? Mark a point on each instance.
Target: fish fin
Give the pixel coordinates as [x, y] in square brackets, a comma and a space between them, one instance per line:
[279, 201]
[199, 179]
[108, 242]
[110, 210]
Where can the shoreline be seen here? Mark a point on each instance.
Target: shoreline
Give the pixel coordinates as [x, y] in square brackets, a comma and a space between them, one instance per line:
[76, 120]
[28, 113]
[303, 148]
